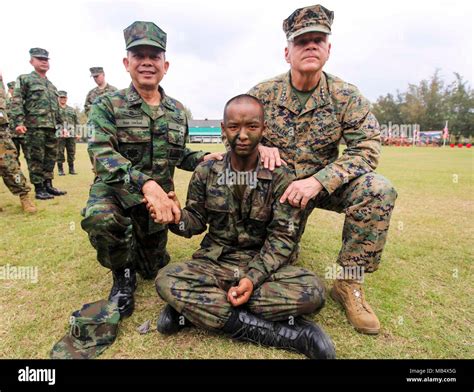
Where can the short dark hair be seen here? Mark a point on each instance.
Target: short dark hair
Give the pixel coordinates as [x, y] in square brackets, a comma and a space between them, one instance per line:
[243, 98]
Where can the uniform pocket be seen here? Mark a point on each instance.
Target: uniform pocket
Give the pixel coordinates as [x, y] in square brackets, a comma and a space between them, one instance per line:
[176, 134]
[133, 143]
[176, 141]
[218, 213]
[259, 219]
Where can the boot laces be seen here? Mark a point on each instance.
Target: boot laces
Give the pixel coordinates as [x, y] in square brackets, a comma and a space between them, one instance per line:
[358, 295]
[263, 335]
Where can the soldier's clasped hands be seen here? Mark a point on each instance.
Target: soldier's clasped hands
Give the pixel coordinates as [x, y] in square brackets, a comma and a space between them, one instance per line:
[163, 209]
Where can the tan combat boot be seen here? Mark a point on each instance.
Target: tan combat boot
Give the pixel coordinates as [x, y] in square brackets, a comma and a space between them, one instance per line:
[27, 205]
[350, 295]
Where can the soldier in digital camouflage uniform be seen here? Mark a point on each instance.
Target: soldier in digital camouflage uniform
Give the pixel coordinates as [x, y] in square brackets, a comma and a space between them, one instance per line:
[309, 113]
[138, 138]
[66, 135]
[241, 280]
[35, 110]
[9, 167]
[102, 87]
[17, 138]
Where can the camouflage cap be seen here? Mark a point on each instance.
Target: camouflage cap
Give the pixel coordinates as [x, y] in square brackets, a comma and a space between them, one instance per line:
[144, 33]
[62, 93]
[308, 19]
[11, 84]
[39, 52]
[96, 71]
[93, 329]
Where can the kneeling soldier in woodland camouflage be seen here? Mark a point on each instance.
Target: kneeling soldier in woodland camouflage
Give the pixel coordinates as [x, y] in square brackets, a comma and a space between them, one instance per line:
[139, 137]
[241, 280]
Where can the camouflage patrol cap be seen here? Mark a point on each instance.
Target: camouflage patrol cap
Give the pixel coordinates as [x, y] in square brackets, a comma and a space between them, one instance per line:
[39, 53]
[62, 93]
[308, 19]
[93, 329]
[96, 71]
[11, 84]
[144, 33]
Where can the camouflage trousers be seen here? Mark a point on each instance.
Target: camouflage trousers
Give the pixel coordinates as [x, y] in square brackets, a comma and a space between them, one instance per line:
[20, 144]
[198, 290]
[121, 236]
[42, 146]
[68, 144]
[10, 169]
[367, 203]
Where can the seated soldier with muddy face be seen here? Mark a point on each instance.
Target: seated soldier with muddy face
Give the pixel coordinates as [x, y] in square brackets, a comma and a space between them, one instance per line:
[242, 281]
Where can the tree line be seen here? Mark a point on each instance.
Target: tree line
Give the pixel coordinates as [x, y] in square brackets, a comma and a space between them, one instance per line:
[431, 103]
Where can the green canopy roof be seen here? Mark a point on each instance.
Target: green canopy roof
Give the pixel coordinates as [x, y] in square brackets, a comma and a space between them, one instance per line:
[204, 131]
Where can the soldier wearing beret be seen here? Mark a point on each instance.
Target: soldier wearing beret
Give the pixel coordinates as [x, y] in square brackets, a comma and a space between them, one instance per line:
[102, 87]
[35, 113]
[309, 113]
[67, 135]
[138, 139]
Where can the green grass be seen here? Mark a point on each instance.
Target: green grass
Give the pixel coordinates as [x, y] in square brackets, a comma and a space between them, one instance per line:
[423, 292]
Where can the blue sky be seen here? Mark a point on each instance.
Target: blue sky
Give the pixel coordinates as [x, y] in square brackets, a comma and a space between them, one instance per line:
[218, 50]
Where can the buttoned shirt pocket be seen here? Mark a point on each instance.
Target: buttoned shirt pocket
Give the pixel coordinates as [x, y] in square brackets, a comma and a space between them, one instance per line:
[176, 140]
[133, 143]
[325, 129]
[37, 95]
[218, 213]
[259, 219]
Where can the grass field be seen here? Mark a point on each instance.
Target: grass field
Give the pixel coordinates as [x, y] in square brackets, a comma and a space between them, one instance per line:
[423, 292]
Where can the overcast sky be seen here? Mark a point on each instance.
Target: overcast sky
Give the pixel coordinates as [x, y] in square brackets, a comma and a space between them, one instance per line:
[218, 49]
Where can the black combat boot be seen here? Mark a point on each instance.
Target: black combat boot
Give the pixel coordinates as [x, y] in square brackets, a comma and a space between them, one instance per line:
[170, 321]
[125, 283]
[48, 186]
[60, 169]
[303, 336]
[71, 169]
[41, 194]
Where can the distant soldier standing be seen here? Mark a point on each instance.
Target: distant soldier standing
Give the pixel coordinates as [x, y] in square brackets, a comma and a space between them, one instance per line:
[138, 139]
[102, 87]
[309, 113]
[17, 138]
[67, 135]
[35, 113]
[9, 167]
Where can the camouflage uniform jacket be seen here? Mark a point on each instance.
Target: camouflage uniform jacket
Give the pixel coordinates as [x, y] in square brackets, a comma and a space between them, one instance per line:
[258, 225]
[35, 102]
[11, 130]
[97, 92]
[69, 117]
[3, 105]
[130, 145]
[308, 138]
